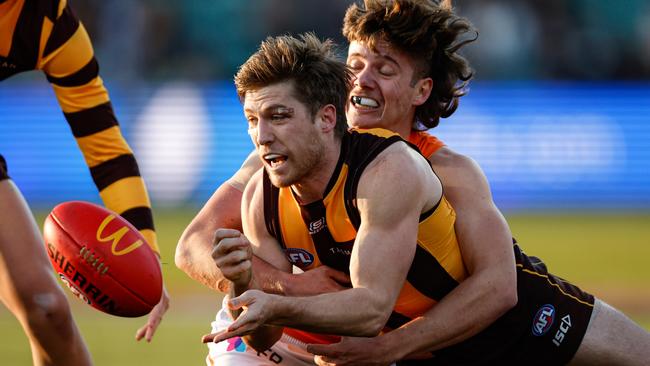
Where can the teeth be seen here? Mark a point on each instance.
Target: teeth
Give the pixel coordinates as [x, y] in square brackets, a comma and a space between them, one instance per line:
[365, 102]
[272, 156]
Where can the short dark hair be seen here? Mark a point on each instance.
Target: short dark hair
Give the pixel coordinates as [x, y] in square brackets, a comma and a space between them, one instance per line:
[429, 32]
[319, 77]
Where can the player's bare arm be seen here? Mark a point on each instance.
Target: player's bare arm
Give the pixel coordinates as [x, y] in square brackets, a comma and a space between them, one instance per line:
[383, 251]
[233, 255]
[193, 252]
[486, 294]
[68, 60]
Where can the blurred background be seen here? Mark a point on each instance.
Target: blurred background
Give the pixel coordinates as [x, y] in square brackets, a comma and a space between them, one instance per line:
[558, 116]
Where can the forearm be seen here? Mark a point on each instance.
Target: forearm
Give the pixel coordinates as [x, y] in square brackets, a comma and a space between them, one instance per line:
[351, 312]
[263, 337]
[197, 263]
[464, 312]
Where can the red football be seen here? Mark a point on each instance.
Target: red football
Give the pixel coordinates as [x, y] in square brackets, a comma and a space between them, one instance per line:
[103, 259]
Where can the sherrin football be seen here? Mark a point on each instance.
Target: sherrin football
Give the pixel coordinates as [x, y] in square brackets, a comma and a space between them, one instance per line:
[103, 259]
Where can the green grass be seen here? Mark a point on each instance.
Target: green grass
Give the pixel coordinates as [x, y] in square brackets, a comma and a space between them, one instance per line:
[605, 254]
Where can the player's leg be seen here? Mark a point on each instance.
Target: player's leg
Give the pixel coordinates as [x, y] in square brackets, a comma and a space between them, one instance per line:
[234, 352]
[28, 288]
[612, 339]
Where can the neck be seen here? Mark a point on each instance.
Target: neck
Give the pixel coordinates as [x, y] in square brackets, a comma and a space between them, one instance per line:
[312, 187]
[404, 131]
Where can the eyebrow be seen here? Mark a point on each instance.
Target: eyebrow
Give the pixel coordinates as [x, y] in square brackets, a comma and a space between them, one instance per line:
[273, 108]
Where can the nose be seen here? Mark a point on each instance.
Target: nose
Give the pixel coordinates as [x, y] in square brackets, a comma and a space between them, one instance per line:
[364, 78]
[263, 133]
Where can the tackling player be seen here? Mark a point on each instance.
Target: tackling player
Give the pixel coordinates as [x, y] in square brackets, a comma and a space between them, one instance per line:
[485, 242]
[333, 199]
[46, 35]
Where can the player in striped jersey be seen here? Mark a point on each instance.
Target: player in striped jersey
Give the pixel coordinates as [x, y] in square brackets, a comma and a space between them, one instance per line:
[46, 35]
[489, 260]
[553, 321]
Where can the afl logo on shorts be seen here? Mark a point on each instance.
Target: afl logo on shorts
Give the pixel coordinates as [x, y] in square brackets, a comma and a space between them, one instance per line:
[299, 257]
[543, 320]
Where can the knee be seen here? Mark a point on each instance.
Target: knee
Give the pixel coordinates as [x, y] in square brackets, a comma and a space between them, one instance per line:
[49, 310]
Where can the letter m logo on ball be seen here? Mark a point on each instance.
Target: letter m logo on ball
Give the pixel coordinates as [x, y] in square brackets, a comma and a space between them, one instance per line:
[116, 237]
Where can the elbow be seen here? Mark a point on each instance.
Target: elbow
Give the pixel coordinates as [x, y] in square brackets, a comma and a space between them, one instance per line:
[372, 328]
[182, 254]
[506, 296]
[374, 322]
[510, 299]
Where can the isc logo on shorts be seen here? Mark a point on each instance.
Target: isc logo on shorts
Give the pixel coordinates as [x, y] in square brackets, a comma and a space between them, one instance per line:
[543, 320]
[299, 257]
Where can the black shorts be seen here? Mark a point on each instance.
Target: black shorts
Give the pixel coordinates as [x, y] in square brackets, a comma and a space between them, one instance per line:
[546, 326]
[3, 169]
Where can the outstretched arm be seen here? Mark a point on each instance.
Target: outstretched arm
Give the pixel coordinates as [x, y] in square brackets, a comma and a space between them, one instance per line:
[73, 71]
[486, 294]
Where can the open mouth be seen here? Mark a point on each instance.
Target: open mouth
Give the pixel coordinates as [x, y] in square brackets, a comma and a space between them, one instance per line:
[364, 102]
[274, 160]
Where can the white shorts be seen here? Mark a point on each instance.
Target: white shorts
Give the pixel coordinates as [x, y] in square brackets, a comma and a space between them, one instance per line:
[234, 352]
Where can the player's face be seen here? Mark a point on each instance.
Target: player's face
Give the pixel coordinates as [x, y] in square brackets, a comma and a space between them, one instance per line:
[382, 94]
[284, 133]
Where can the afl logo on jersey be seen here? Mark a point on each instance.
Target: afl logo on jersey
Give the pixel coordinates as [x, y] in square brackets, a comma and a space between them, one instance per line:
[299, 257]
[543, 320]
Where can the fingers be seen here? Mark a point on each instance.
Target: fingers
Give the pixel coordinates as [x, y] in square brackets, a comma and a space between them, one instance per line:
[230, 247]
[212, 336]
[226, 233]
[322, 361]
[140, 333]
[155, 317]
[318, 349]
[339, 277]
[222, 335]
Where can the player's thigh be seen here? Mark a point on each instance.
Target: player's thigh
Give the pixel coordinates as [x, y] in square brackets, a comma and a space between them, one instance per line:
[612, 339]
[24, 267]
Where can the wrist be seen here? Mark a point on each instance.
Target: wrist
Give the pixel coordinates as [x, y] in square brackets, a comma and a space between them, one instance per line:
[280, 311]
[285, 284]
[244, 285]
[390, 346]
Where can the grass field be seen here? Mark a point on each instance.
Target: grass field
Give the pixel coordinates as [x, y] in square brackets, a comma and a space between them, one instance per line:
[605, 254]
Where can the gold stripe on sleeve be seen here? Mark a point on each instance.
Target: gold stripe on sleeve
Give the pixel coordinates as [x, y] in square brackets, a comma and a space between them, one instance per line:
[78, 98]
[150, 235]
[125, 194]
[103, 146]
[75, 53]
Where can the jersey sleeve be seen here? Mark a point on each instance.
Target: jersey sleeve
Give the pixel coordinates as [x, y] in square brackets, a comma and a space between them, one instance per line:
[67, 58]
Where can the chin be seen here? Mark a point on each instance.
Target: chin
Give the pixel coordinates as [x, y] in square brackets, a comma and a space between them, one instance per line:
[280, 181]
[361, 123]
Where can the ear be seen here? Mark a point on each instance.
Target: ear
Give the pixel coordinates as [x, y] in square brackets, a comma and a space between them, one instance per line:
[326, 118]
[422, 91]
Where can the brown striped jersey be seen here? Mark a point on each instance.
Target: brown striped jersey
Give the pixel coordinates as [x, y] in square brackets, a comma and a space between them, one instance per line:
[46, 35]
[323, 232]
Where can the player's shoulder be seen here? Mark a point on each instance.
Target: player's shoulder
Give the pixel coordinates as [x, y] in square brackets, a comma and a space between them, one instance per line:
[446, 156]
[462, 169]
[255, 185]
